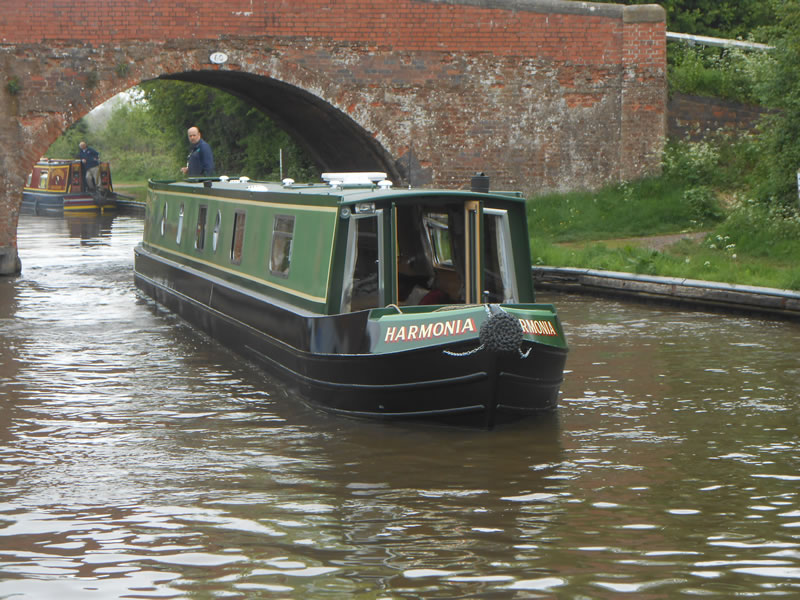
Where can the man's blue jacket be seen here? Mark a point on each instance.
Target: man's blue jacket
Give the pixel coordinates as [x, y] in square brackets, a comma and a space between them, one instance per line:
[200, 159]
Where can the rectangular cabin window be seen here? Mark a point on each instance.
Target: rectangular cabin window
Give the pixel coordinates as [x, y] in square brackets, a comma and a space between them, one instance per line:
[281, 253]
[237, 246]
[436, 226]
[200, 237]
[43, 177]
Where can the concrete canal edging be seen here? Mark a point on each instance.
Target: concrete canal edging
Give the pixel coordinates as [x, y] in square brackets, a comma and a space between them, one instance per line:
[674, 290]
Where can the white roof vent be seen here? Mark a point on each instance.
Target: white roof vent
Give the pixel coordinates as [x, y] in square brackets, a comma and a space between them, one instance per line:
[385, 184]
[243, 179]
[288, 182]
[367, 179]
[224, 178]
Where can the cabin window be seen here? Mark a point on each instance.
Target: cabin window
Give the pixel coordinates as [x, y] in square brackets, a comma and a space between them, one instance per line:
[164, 220]
[200, 237]
[439, 238]
[43, 176]
[180, 225]
[30, 176]
[281, 254]
[499, 281]
[215, 233]
[237, 245]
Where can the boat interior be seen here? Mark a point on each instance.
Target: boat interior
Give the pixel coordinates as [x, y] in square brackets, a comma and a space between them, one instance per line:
[442, 257]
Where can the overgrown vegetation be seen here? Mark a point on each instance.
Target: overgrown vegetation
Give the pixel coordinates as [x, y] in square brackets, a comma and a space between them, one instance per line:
[703, 189]
[734, 19]
[729, 73]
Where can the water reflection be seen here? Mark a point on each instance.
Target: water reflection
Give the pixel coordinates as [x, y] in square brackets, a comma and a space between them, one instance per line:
[139, 459]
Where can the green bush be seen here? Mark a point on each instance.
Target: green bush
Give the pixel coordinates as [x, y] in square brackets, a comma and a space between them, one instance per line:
[694, 163]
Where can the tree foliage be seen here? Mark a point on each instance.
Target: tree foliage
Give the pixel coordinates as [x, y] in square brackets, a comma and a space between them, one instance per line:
[780, 88]
[145, 137]
[244, 140]
[717, 18]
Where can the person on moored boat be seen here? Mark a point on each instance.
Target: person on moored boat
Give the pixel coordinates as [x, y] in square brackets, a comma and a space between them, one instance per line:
[200, 160]
[90, 160]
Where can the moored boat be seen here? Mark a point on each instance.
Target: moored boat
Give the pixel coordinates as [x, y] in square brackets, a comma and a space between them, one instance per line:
[58, 185]
[377, 301]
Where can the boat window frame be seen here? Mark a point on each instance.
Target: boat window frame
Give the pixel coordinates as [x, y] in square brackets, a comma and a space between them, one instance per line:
[279, 240]
[351, 258]
[181, 213]
[472, 251]
[44, 176]
[237, 238]
[200, 233]
[505, 253]
[215, 231]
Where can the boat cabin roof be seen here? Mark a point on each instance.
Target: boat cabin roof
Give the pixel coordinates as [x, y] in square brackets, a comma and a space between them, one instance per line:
[56, 162]
[342, 193]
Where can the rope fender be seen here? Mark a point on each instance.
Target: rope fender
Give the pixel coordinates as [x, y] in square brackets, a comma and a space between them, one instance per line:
[501, 332]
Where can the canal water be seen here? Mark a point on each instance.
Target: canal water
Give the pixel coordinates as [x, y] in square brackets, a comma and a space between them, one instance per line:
[139, 459]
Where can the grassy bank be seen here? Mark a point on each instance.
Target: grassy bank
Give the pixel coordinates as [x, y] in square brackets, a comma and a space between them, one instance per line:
[135, 189]
[742, 242]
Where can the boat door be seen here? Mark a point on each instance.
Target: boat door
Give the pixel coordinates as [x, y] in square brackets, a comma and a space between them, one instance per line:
[363, 287]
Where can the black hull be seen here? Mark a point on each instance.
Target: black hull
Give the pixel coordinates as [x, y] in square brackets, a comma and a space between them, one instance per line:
[328, 357]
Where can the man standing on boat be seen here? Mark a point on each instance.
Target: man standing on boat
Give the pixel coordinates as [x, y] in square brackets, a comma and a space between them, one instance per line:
[200, 160]
[90, 159]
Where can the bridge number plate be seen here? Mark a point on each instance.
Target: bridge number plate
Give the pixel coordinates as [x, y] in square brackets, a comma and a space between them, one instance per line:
[218, 58]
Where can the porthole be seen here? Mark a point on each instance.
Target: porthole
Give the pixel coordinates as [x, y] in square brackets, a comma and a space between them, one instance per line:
[215, 233]
[180, 225]
[164, 219]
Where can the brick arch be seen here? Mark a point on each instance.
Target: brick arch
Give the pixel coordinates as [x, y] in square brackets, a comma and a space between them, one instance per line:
[540, 94]
[331, 138]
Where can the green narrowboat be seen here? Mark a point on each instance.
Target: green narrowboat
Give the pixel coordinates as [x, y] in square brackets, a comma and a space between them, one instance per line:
[376, 301]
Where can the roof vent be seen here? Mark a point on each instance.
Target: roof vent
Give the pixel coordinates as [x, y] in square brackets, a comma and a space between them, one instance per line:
[366, 179]
[385, 184]
[287, 183]
[243, 179]
[223, 178]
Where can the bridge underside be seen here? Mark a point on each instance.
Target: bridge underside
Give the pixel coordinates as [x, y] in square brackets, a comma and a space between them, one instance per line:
[332, 140]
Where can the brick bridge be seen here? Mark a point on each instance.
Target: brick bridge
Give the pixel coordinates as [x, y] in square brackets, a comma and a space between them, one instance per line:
[539, 94]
